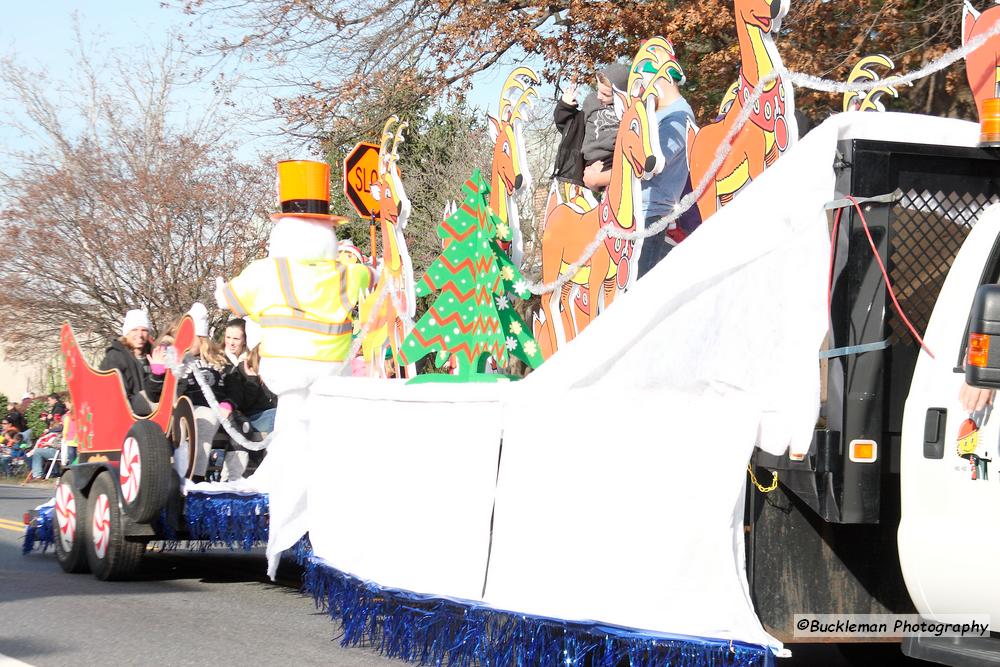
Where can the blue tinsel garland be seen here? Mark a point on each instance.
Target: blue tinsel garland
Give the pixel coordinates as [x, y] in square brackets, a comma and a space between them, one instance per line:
[227, 519]
[428, 630]
[233, 521]
[38, 534]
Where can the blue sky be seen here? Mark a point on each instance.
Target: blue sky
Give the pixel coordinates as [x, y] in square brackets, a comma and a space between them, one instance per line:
[39, 34]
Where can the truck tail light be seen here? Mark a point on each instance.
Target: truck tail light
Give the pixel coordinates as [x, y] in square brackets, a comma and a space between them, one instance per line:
[863, 451]
[979, 349]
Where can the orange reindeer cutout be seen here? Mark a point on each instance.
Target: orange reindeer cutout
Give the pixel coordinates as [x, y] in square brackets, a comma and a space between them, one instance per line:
[387, 325]
[569, 230]
[771, 127]
[982, 66]
[509, 173]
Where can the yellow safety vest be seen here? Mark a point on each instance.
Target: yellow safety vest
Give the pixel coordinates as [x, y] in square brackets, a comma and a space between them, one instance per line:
[303, 307]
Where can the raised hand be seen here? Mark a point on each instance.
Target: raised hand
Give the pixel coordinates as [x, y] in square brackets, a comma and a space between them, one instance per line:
[569, 94]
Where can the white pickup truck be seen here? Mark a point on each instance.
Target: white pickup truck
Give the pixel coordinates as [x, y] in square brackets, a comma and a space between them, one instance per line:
[895, 507]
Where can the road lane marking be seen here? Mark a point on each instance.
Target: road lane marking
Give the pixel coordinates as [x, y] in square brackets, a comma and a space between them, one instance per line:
[7, 661]
[14, 530]
[11, 523]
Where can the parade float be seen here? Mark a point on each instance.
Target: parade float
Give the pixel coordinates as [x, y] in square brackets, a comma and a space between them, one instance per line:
[593, 512]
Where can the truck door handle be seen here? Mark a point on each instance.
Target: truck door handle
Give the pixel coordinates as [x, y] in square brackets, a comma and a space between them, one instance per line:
[934, 429]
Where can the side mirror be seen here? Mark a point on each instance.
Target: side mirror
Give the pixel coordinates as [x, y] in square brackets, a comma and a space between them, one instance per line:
[982, 365]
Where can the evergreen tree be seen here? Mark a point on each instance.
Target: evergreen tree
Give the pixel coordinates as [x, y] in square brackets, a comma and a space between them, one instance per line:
[472, 317]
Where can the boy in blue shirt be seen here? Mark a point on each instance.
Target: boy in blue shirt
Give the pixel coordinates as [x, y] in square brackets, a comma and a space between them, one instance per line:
[661, 193]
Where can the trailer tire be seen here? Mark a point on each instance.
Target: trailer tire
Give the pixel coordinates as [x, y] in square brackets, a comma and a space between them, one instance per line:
[144, 471]
[70, 529]
[110, 555]
[182, 437]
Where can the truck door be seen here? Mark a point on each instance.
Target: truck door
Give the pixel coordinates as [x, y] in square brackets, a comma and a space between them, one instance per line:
[949, 531]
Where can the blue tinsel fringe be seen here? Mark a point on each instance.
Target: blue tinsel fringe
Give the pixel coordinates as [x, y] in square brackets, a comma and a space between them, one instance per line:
[225, 519]
[38, 534]
[435, 631]
[229, 520]
[301, 551]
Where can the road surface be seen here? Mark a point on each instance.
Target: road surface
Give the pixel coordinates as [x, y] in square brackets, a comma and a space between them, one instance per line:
[185, 608]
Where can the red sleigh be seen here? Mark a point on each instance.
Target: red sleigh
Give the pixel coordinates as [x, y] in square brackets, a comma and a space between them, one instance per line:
[125, 473]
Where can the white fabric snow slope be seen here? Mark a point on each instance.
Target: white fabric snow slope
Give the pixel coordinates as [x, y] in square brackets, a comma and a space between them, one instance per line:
[620, 489]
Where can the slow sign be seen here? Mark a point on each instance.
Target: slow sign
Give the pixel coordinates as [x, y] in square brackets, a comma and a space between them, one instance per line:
[360, 174]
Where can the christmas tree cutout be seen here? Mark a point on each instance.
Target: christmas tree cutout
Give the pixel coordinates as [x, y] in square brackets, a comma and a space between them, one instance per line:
[473, 316]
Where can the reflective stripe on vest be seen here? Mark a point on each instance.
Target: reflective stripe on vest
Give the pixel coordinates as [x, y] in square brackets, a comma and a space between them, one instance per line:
[306, 325]
[234, 303]
[285, 280]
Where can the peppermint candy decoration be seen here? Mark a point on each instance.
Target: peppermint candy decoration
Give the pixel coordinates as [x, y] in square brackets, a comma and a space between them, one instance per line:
[130, 470]
[66, 515]
[102, 525]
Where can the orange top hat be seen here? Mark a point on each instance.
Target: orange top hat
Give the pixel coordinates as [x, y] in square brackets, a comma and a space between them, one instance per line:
[304, 191]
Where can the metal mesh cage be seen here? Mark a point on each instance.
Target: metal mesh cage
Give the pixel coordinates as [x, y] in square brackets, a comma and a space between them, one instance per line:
[926, 231]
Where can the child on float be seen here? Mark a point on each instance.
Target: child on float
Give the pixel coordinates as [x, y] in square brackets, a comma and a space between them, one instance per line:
[129, 355]
[209, 360]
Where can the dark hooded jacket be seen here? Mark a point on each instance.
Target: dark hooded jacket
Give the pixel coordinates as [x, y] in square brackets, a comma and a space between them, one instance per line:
[601, 121]
[250, 395]
[134, 371]
[569, 158]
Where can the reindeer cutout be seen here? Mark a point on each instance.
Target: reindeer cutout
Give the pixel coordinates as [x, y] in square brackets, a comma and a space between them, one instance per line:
[771, 128]
[580, 196]
[509, 173]
[865, 70]
[386, 325]
[982, 66]
[569, 229]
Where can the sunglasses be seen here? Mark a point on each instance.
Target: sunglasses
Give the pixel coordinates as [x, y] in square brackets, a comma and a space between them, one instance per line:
[647, 67]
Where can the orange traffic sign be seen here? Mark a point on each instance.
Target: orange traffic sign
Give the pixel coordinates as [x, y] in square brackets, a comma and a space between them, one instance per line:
[360, 174]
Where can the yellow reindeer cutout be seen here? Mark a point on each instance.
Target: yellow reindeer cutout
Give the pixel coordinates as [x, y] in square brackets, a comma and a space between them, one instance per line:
[509, 173]
[387, 325]
[864, 71]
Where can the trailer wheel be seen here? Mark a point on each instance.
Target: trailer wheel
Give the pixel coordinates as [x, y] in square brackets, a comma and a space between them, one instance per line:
[109, 554]
[144, 472]
[70, 526]
[182, 437]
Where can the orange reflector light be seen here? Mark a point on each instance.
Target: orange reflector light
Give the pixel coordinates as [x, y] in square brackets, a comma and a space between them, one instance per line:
[863, 451]
[989, 124]
[979, 349]
[26, 518]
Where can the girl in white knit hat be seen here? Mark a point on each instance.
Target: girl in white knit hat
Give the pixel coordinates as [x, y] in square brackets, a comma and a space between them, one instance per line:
[128, 356]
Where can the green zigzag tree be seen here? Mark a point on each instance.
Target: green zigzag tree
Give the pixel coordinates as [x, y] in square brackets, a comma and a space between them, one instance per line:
[473, 317]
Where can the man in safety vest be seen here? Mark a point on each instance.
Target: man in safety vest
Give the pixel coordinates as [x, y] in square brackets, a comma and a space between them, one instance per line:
[302, 298]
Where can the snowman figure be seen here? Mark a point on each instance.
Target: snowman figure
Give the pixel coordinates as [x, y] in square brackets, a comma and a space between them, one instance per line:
[302, 298]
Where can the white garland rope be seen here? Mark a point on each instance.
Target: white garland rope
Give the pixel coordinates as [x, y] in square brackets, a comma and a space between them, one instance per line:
[725, 146]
